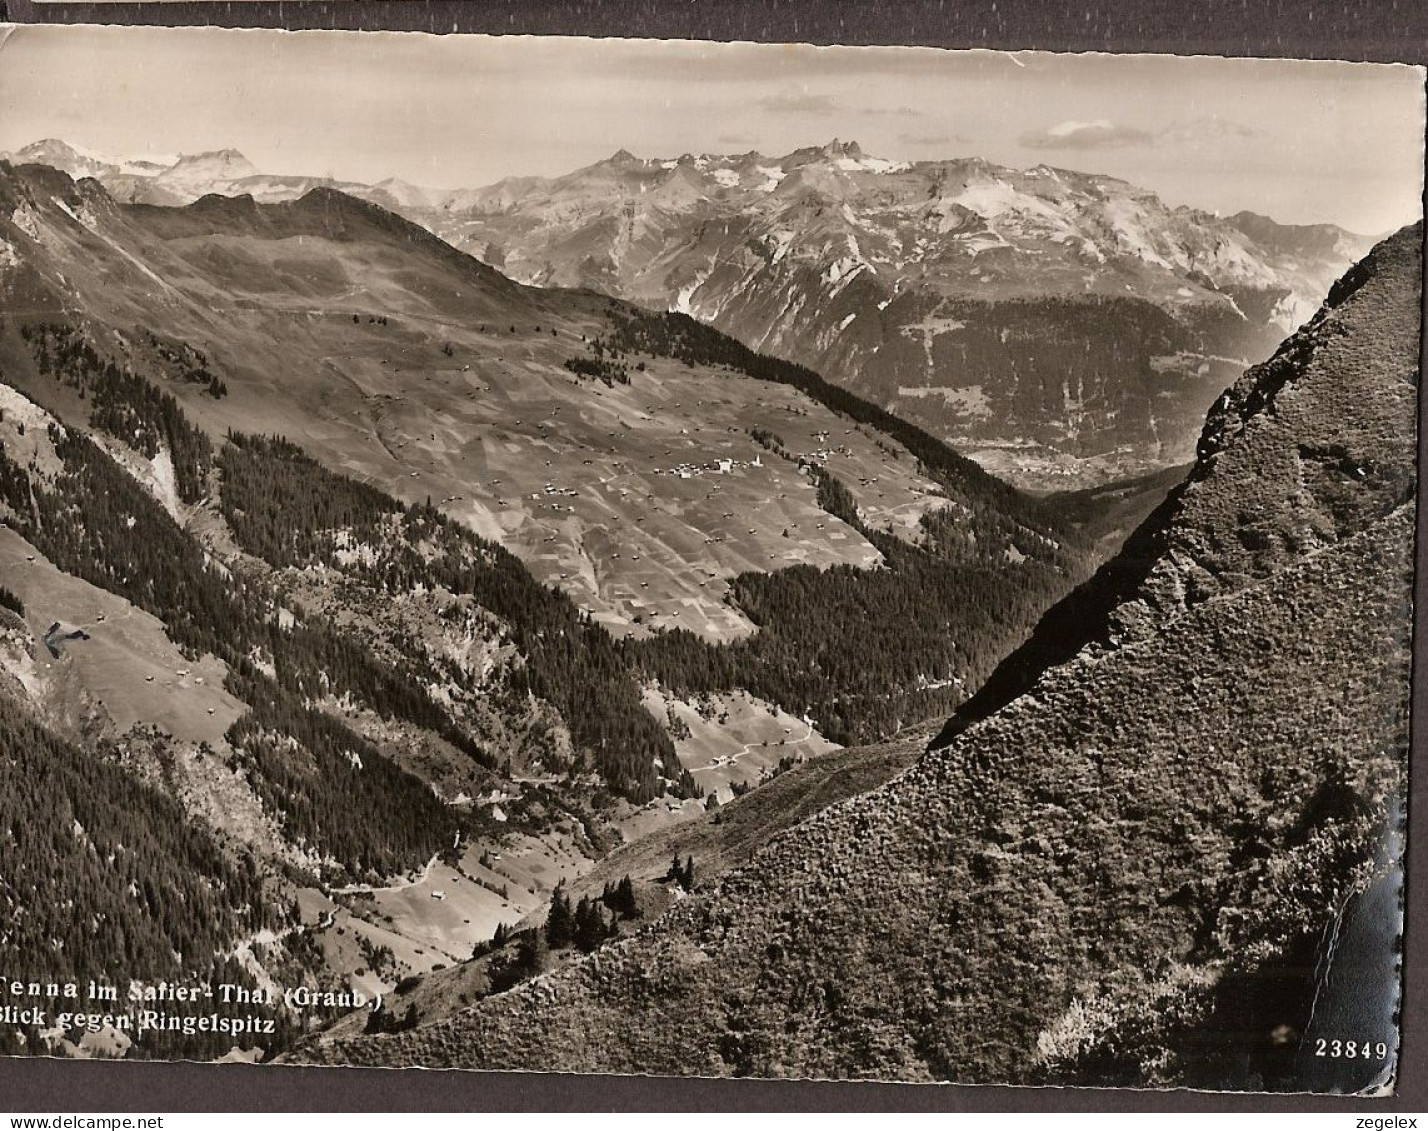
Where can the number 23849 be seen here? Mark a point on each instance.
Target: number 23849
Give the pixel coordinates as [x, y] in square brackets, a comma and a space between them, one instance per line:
[1351, 1050]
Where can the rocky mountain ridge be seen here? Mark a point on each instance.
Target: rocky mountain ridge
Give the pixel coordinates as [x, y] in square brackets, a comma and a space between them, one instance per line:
[1064, 328]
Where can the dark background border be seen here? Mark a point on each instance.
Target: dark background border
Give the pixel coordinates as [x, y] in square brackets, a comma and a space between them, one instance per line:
[1372, 30]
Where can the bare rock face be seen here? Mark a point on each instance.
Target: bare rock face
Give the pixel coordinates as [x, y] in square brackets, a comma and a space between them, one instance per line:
[1128, 855]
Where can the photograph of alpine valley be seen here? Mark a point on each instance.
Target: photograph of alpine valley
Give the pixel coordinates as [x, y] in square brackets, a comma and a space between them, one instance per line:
[705, 559]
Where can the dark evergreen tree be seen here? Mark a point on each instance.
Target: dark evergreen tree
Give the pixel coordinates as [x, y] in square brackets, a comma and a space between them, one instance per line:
[591, 927]
[560, 921]
[624, 902]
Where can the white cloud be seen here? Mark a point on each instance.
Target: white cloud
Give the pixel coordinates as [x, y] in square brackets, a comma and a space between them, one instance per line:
[1099, 134]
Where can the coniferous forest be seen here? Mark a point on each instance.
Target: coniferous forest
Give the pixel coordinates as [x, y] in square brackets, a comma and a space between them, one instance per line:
[862, 652]
[94, 521]
[106, 880]
[126, 405]
[285, 508]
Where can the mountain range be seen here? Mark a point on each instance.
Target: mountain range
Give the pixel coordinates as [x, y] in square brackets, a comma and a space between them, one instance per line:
[1132, 867]
[376, 622]
[1063, 328]
[374, 593]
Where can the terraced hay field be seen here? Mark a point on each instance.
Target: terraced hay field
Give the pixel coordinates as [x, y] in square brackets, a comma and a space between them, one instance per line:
[735, 738]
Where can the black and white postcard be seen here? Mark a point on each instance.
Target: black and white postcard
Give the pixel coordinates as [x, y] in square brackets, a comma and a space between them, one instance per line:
[705, 559]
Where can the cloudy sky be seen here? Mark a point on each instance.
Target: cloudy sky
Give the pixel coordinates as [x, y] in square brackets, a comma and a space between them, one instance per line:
[1302, 142]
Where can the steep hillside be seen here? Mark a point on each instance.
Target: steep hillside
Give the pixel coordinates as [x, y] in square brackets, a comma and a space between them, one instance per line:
[88, 843]
[1065, 328]
[658, 479]
[1287, 482]
[1122, 875]
[635, 883]
[1109, 513]
[362, 565]
[166, 785]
